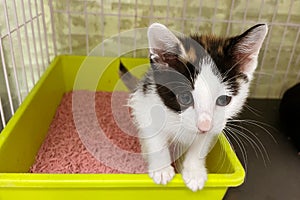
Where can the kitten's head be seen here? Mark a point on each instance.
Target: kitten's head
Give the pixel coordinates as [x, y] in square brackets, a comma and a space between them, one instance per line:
[204, 79]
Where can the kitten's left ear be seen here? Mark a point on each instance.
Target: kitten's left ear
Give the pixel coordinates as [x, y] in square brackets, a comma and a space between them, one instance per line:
[246, 47]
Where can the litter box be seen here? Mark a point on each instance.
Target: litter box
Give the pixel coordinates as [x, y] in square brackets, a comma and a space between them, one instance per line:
[24, 134]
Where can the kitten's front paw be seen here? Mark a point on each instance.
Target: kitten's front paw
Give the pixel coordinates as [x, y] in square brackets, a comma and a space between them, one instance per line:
[194, 179]
[162, 176]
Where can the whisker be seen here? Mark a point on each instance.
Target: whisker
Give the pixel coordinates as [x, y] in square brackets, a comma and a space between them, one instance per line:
[223, 155]
[250, 140]
[253, 110]
[264, 73]
[190, 74]
[178, 150]
[231, 78]
[256, 123]
[227, 72]
[240, 145]
[233, 66]
[263, 151]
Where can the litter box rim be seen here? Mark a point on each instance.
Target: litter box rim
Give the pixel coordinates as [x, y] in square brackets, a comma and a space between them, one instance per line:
[29, 180]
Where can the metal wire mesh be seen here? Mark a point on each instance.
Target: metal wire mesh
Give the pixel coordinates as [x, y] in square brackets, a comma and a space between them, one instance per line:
[33, 32]
[24, 52]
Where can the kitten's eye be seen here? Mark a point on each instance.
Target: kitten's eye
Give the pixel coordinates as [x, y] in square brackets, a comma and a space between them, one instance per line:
[185, 98]
[223, 100]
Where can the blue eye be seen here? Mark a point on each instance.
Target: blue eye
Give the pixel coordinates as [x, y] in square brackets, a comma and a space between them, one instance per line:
[223, 100]
[185, 98]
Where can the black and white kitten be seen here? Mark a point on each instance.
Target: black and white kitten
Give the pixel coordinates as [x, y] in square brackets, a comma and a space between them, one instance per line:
[194, 85]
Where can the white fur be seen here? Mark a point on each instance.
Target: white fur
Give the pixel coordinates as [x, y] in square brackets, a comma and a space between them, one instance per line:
[159, 127]
[161, 130]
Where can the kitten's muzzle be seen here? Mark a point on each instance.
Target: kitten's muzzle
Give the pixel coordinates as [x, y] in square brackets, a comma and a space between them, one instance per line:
[204, 125]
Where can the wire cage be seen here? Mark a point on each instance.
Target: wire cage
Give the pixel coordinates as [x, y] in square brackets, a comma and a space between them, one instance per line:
[33, 32]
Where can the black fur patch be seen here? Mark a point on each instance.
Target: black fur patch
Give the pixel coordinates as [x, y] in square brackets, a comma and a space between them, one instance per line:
[222, 53]
[147, 82]
[170, 83]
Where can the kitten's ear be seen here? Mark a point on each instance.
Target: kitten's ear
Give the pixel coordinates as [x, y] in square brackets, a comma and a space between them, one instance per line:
[163, 44]
[247, 46]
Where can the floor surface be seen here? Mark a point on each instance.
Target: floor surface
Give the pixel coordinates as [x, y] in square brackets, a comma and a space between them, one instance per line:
[273, 166]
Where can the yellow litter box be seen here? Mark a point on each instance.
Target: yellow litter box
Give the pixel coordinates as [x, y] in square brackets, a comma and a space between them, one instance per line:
[25, 132]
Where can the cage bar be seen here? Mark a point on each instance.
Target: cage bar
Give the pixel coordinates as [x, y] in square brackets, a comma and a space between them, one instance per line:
[245, 16]
[184, 16]
[42, 43]
[214, 16]
[262, 4]
[168, 12]
[86, 28]
[151, 17]
[102, 25]
[176, 18]
[39, 36]
[2, 114]
[21, 48]
[27, 43]
[45, 31]
[119, 27]
[69, 27]
[12, 52]
[53, 27]
[33, 40]
[279, 49]
[230, 18]
[290, 61]
[134, 32]
[18, 27]
[266, 45]
[199, 16]
[8, 88]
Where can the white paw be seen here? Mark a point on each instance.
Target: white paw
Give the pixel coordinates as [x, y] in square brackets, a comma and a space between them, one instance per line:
[162, 176]
[194, 179]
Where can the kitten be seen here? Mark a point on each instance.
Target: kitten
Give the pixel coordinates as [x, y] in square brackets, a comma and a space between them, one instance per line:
[194, 85]
[289, 110]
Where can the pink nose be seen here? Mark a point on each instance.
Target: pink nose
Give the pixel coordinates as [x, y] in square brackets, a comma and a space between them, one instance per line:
[204, 125]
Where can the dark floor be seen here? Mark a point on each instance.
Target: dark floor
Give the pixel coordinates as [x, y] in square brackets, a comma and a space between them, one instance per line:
[278, 178]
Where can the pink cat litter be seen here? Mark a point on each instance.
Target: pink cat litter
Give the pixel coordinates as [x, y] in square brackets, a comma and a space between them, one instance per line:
[63, 150]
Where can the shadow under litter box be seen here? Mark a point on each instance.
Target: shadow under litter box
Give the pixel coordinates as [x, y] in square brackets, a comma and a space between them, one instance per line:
[273, 173]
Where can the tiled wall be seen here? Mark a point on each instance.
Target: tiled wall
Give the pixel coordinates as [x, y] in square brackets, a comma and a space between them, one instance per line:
[33, 32]
[80, 26]
[40, 29]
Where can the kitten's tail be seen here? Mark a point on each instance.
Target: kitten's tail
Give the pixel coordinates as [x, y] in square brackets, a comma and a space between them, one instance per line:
[128, 79]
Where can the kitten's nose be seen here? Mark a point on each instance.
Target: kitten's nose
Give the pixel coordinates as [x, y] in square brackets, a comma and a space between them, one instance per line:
[204, 125]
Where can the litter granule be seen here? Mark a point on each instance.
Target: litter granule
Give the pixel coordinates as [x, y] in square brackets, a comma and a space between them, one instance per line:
[92, 132]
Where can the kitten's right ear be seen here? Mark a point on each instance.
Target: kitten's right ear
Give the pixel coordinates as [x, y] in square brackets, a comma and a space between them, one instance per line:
[163, 44]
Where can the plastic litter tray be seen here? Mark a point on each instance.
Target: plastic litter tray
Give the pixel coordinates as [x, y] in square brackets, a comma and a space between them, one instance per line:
[25, 132]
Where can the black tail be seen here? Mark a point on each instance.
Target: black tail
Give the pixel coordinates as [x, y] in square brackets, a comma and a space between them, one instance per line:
[128, 79]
